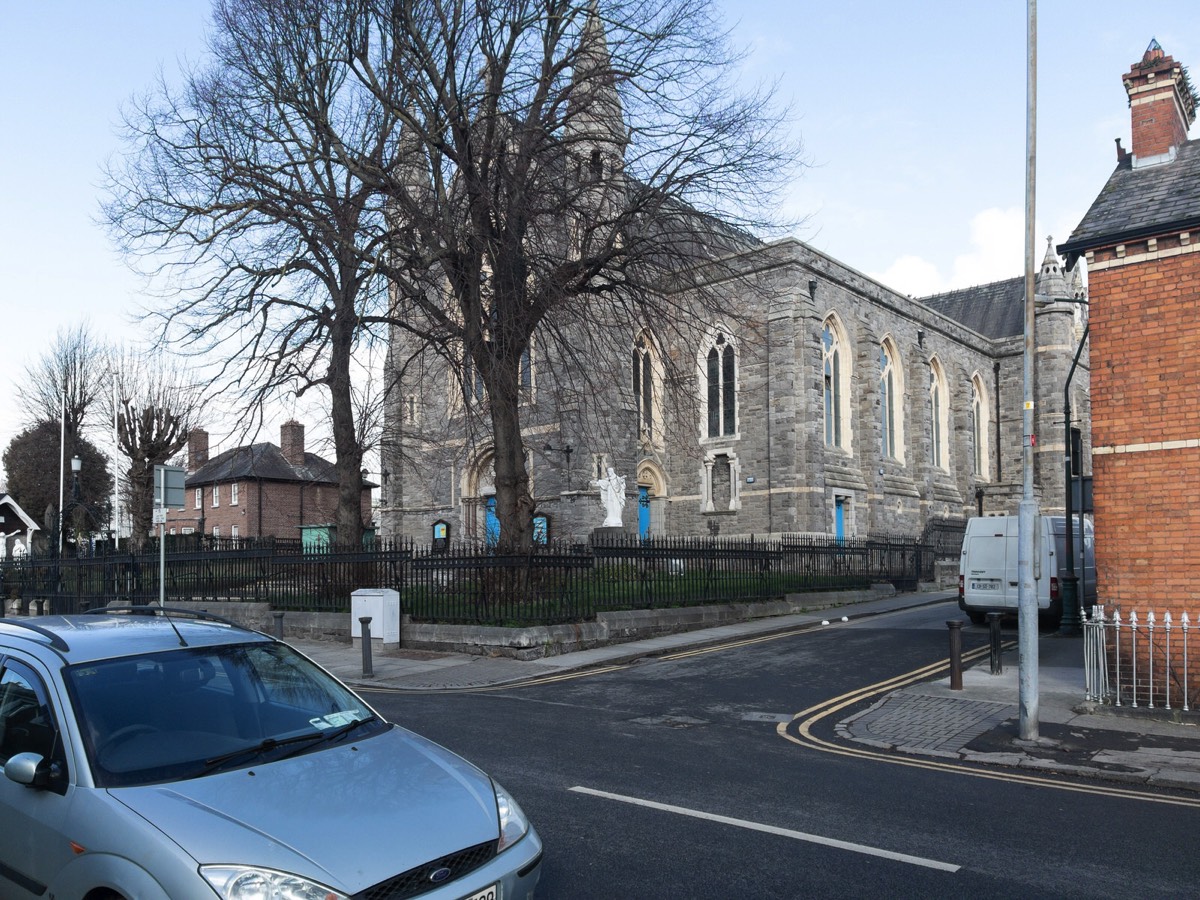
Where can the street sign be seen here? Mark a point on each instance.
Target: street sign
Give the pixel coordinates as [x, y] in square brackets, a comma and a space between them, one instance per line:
[168, 486]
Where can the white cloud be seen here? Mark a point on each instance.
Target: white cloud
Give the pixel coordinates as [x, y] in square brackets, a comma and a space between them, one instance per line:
[997, 251]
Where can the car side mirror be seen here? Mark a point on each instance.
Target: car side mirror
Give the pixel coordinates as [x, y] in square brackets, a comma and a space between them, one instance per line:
[26, 769]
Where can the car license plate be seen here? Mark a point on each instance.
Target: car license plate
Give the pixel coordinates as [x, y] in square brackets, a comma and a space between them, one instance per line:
[985, 585]
[489, 893]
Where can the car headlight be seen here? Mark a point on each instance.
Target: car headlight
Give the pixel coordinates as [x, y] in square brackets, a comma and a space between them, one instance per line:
[513, 823]
[252, 883]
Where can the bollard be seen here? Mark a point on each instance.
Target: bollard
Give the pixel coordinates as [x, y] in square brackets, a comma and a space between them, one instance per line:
[994, 642]
[955, 655]
[278, 625]
[365, 621]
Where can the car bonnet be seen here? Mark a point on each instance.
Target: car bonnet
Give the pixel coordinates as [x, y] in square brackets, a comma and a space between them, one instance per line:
[348, 816]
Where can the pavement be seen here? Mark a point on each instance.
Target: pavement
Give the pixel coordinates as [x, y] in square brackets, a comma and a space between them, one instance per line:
[978, 724]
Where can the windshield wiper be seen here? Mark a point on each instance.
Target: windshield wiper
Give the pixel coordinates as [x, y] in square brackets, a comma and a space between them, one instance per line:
[336, 734]
[269, 744]
[261, 747]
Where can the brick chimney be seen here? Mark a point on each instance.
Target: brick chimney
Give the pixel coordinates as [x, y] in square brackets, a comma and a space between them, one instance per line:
[291, 442]
[1161, 105]
[197, 448]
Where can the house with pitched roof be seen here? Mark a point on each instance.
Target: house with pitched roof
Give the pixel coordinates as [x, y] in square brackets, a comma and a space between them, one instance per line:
[1140, 240]
[259, 490]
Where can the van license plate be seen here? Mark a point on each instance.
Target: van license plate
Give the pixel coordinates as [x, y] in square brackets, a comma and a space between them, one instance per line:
[985, 585]
[486, 894]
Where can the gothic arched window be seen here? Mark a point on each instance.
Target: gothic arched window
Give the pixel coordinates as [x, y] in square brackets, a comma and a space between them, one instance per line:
[891, 402]
[836, 381]
[720, 383]
[647, 388]
[979, 427]
[938, 418]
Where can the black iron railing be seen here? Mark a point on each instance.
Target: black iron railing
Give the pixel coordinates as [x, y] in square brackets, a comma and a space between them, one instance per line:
[471, 584]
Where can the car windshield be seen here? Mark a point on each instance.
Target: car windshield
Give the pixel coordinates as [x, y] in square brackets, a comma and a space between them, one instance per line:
[191, 712]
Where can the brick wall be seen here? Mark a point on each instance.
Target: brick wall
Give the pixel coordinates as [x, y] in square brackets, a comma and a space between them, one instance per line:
[264, 509]
[1145, 430]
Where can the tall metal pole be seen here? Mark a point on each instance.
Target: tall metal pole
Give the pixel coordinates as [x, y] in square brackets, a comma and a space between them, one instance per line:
[1027, 606]
[62, 462]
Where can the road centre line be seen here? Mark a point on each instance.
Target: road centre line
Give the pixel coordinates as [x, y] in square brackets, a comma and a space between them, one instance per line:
[771, 829]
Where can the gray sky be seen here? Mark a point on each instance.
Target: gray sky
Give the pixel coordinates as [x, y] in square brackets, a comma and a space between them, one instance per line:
[912, 115]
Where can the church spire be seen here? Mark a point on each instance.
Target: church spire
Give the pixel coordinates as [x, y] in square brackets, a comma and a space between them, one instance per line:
[594, 112]
[1051, 281]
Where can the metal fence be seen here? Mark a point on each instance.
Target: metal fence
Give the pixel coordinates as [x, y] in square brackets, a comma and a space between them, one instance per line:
[1139, 660]
[472, 584]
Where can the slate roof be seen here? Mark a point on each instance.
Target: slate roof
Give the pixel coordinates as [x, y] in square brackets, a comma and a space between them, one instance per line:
[995, 310]
[262, 461]
[1141, 203]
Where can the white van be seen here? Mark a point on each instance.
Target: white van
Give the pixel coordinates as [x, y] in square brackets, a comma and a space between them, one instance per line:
[987, 568]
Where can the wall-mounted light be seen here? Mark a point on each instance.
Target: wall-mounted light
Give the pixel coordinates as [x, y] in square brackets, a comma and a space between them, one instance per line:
[749, 479]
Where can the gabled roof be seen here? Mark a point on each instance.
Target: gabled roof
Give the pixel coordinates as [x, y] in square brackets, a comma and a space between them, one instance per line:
[995, 310]
[7, 503]
[262, 461]
[1142, 202]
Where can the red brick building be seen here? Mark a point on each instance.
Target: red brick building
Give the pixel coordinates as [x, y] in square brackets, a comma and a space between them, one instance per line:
[1141, 239]
[260, 490]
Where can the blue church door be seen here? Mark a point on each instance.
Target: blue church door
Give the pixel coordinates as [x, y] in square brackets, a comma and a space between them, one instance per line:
[839, 518]
[643, 511]
[491, 527]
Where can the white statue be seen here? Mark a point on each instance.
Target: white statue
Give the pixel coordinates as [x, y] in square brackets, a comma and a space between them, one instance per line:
[612, 495]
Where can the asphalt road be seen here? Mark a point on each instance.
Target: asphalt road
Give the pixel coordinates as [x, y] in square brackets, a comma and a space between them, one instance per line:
[670, 778]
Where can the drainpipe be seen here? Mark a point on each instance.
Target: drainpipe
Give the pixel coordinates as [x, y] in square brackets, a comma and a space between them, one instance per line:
[1071, 622]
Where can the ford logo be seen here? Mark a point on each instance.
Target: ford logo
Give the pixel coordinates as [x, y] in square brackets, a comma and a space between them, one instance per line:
[437, 876]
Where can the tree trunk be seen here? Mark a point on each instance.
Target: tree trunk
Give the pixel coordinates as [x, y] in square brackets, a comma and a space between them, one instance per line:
[514, 504]
[348, 451]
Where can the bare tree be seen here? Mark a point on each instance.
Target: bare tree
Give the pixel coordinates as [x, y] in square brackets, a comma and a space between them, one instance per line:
[571, 171]
[510, 168]
[154, 405]
[65, 382]
[236, 192]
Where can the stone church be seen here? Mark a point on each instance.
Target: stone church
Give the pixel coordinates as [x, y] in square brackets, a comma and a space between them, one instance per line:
[830, 404]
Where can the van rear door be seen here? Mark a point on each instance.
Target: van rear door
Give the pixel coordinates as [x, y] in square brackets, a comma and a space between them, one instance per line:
[990, 573]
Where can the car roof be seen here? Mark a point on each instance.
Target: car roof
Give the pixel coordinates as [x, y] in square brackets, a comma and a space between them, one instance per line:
[86, 638]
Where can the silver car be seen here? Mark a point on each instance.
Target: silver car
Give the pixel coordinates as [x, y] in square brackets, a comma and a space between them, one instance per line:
[165, 755]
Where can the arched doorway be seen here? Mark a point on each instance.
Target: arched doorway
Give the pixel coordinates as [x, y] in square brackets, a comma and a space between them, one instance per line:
[652, 499]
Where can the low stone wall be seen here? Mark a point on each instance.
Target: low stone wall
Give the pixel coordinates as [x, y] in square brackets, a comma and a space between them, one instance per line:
[614, 627]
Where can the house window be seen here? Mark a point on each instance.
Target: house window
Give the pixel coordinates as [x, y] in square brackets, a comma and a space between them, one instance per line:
[186, 530]
[233, 531]
[836, 380]
[216, 531]
[216, 496]
[199, 502]
[720, 376]
[233, 494]
[891, 402]
[937, 414]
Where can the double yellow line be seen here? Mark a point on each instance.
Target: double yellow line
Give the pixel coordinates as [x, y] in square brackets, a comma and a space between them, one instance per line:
[800, 731]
